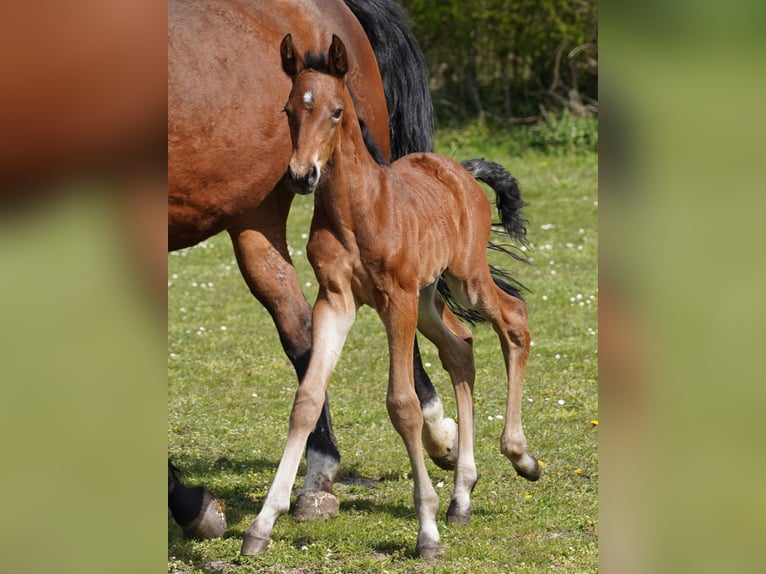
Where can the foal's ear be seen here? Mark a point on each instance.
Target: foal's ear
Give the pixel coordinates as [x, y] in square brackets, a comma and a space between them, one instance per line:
[290, 63]
[337, 60]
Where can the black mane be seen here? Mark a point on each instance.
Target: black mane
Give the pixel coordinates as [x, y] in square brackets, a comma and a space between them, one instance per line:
[404, 72]
[370, 144]
[316, 62]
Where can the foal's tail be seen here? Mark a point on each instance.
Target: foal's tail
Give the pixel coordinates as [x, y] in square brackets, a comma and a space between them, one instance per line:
[509, 202]
[509, 205]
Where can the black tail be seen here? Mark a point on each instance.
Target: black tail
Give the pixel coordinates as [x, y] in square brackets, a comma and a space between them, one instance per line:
[509, 202]
[404, 72]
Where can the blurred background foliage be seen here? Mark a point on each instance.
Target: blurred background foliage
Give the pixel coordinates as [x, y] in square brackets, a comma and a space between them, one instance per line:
[520, 61]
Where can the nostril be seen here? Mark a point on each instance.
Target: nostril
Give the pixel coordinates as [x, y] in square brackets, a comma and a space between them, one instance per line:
[313, 175]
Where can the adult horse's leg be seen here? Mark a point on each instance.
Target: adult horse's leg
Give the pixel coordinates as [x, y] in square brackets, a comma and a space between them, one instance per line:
[455, 344]
[260, 245]
[400, 319]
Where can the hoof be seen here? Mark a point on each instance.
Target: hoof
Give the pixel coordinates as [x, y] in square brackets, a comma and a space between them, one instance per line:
[316, 505]
[528, 468]
[427, 551]
[441, 445]
[252, 546]
[457, 518]
[210, 522]
[446, 462]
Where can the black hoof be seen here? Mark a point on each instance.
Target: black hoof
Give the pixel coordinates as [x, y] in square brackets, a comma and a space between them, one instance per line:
[316, 505]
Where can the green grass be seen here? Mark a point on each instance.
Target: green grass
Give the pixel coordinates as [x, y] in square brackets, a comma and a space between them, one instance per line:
[231, 388]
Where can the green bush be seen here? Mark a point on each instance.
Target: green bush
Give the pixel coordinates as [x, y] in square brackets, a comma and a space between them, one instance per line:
[557, 134]
[563, 132]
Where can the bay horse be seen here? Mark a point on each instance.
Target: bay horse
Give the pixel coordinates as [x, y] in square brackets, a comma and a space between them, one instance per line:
[228, 150]
[382, 235]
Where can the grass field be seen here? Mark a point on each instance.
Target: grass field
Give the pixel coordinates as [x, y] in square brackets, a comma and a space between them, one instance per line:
[231, 388]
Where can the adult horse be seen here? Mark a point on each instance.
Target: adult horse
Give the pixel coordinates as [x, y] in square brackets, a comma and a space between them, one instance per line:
[228, 150]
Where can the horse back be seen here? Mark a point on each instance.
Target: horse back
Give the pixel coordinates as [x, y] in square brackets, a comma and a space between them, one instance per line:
[435, 184]
[430, 213]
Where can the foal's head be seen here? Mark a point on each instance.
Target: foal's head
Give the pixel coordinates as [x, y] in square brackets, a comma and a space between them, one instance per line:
[314, 111]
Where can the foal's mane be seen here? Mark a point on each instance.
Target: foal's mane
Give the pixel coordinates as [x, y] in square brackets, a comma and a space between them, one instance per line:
[318, 63]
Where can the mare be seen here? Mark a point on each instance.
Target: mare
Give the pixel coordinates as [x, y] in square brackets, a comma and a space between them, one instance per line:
[382, 235]
[228, 150]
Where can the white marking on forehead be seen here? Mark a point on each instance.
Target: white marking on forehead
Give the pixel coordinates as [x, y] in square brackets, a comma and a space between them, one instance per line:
[308, 97]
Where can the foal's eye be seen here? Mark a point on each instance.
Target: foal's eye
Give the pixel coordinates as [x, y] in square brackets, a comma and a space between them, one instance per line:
[336, 114]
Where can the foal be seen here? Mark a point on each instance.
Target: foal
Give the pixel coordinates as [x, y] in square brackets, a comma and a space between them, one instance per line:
[381, 236]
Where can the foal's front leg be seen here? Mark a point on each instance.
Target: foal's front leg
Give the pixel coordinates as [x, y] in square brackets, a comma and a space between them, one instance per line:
[455, 344]
[260, 244]
[400, 319]
[333, 317]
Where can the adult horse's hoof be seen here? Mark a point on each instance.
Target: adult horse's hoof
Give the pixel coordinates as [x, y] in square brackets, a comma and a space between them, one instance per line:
[252, 545]
[316, 505]
[210, 522]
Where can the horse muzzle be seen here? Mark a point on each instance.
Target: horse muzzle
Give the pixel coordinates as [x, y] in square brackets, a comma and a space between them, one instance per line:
[303, 182]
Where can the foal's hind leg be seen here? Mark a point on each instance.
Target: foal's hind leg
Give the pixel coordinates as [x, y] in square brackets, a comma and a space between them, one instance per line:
[510, 323]
[261, 248]
[454, 342]
[508, 316]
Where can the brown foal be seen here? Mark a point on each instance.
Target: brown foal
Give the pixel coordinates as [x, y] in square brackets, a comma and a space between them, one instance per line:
[382, 236]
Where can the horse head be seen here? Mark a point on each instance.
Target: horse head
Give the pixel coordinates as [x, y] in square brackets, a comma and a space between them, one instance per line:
[315, 111]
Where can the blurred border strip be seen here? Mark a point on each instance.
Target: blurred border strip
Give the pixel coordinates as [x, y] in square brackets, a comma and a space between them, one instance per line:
[681, 212]
[83, 266]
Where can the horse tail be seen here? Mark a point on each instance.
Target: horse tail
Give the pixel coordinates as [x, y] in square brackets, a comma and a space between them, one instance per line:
[509, 202]
[404, 72]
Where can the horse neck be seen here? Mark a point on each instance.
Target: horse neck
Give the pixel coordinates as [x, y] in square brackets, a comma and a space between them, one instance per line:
[353, 176]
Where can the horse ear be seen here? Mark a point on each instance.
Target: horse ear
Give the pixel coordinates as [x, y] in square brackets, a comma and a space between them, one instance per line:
[289, 59]
[337, 59]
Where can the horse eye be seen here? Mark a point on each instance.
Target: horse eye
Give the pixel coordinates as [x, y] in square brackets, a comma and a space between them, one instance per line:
[336, 114]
